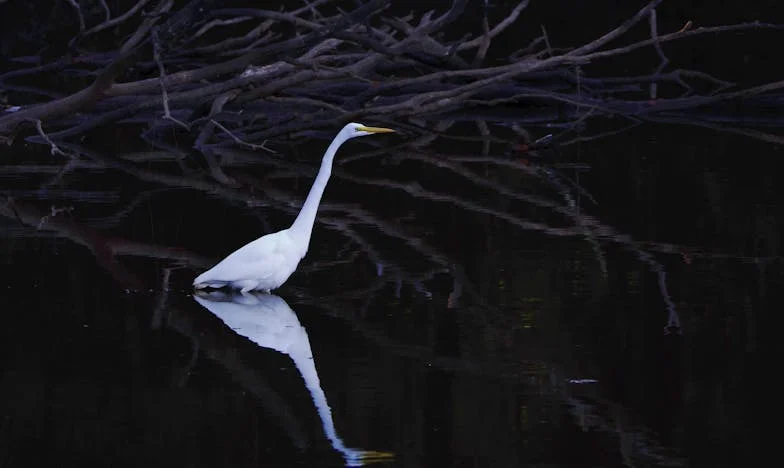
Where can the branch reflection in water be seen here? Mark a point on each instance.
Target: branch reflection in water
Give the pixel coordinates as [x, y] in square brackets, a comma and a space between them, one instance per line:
[268, 321]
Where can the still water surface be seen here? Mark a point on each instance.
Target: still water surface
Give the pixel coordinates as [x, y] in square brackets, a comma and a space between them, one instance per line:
[602, 304]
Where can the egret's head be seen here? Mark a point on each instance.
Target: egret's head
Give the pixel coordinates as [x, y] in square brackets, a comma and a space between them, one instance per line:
[357, 129]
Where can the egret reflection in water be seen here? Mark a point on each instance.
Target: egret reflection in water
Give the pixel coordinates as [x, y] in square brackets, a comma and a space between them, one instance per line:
[268, 321]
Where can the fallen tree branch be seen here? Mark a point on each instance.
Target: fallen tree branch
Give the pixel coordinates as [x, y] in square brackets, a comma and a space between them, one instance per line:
[261, 82]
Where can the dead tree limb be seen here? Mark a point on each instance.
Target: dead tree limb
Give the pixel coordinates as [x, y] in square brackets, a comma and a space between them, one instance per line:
[340, 66]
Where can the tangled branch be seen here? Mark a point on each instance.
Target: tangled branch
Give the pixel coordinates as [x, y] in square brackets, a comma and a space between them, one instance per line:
[276, 72]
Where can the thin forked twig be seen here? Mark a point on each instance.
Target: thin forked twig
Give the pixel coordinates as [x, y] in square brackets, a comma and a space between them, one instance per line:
[240, 141]
[162, 71]
[54, 148]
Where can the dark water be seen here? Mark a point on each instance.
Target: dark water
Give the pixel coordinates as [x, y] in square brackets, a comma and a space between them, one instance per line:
[604, 304]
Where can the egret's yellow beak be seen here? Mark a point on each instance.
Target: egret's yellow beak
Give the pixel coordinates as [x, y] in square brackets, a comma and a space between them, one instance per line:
[376, 129]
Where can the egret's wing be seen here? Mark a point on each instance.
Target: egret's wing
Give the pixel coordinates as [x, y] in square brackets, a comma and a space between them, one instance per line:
[256, 260]
[261, 268]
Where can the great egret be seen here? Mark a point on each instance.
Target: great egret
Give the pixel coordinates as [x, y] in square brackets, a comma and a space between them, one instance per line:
[266, 263]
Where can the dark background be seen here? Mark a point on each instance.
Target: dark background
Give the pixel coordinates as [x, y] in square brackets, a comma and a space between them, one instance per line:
[94, 372]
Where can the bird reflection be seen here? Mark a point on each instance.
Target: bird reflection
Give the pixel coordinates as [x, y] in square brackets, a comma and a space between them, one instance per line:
[268, 321]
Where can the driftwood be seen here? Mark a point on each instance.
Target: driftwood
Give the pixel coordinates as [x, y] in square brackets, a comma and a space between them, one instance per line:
[231, 94]
[225, 76]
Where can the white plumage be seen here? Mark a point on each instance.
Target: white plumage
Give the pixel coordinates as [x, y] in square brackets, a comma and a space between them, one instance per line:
[267, 262]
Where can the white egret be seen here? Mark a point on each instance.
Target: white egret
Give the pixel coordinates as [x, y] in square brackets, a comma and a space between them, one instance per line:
[266, 263]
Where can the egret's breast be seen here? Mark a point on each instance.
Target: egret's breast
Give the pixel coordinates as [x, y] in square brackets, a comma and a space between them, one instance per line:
[286, 270]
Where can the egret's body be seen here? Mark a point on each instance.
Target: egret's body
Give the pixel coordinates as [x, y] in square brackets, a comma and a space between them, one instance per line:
[266, 263]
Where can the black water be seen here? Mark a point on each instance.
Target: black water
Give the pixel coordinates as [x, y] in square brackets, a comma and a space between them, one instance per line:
[461, 322]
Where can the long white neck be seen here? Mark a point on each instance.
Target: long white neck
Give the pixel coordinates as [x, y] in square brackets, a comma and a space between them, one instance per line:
[303, 225]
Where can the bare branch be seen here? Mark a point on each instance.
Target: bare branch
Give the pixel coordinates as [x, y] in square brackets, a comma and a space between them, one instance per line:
[164, 95]
[110, 23]
[54, 148]
[78, 9]
[497, 29]
[344, 67]
[238, 140]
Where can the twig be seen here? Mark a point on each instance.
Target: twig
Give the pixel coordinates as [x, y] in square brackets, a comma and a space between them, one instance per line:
[498, 29]
[106, 11]
[481, 52]
[78, 8]
[657, 46]
[239, 141]
[617, 32]
[109, 23]
[683, 33]
[54, 148]
[217, 22]
[549, 47]
[312, 7]
[162, 77]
